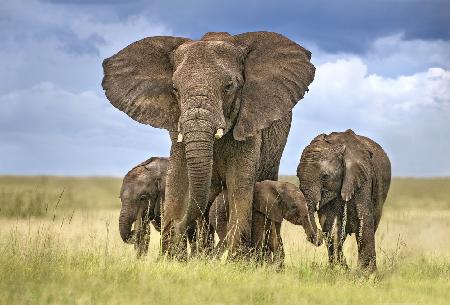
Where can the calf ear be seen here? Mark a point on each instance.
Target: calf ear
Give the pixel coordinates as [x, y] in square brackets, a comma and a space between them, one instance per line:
[357, 164]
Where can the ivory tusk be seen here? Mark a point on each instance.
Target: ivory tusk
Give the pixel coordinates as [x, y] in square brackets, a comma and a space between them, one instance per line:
[180, 138]
[219, 133]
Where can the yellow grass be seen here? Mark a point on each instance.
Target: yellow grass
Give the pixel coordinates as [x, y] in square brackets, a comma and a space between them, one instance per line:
[68, 251]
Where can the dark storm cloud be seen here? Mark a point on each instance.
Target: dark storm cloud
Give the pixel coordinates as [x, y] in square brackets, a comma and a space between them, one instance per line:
[335, 26]
[383, 69]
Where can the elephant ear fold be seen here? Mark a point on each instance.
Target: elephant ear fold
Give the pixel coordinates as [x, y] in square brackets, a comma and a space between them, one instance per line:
[138, 81]
[267, 201]
[271, 209]
[277, 74]
[357, 163]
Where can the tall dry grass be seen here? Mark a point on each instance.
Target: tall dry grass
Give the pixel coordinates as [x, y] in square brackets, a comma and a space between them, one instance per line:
[72, 254]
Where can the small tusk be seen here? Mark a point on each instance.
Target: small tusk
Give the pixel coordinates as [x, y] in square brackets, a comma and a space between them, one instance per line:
[180, 138]
[317, 205]
[219, 133]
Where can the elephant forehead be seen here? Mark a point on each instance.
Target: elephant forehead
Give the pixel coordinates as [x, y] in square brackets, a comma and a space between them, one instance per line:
[125, 193]
[137, 174]
[206, 52]
[327, 165]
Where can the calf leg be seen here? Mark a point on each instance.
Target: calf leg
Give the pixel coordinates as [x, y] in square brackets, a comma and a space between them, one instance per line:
[277, 246]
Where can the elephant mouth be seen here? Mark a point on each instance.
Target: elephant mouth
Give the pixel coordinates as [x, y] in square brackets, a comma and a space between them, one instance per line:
[326, 197]
[133, 237]
[138, 226]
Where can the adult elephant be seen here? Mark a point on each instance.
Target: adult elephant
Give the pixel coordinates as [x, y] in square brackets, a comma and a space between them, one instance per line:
[226, 101]
[346, 177]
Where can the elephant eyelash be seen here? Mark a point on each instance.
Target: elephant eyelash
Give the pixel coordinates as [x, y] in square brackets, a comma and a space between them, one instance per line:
[325, 176]
[229, 87]
[174, 90]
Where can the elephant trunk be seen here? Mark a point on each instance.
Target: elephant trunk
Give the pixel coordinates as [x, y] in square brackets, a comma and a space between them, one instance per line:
[310, 184]
[126, 219]
[307, 220]
[313, 233]
[198, 138]
[311, 188]
[313, 199]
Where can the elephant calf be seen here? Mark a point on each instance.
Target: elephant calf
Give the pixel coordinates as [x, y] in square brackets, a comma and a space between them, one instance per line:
[346, 177]
[142, 195]
[272, 201]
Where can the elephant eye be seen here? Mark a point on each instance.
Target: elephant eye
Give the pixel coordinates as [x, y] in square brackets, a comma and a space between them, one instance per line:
[143, 197]
[229, 87]
[174, 90]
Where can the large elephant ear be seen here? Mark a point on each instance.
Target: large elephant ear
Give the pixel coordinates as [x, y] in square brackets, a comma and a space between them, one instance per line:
[138, 81]
[277, 75]
[357, 161]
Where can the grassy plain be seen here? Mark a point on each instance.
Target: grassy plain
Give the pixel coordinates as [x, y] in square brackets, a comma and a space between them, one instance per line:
[59, 244]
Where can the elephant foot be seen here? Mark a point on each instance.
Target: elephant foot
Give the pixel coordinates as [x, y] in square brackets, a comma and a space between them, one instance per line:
[368, 267]
[279, 266]
[179, 249]
[239, 248]
[239, 254]
[174, 245]
[340, 263]
[204, 244]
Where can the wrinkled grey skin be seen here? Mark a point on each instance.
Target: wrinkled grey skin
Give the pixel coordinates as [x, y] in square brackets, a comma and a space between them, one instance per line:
[226, 101]
[273, 201]
[142, 195]
[346, 178]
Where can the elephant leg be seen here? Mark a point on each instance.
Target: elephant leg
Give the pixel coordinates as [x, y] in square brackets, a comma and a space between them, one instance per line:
[175, 202]
[277, 246]
[202, 239]
[331, 223]
[365, 238]
[239, 229]
[205, 231]
[260, 237]
[240, 179]
[335, 250]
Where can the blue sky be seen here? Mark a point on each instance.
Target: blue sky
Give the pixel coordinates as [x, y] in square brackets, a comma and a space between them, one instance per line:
[383, 69]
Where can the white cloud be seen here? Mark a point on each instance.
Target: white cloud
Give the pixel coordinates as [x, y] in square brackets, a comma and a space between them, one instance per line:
[115, 36]
[49, 130]
[66, 49]
[55, 118]
[408, 115]
[393, 54]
